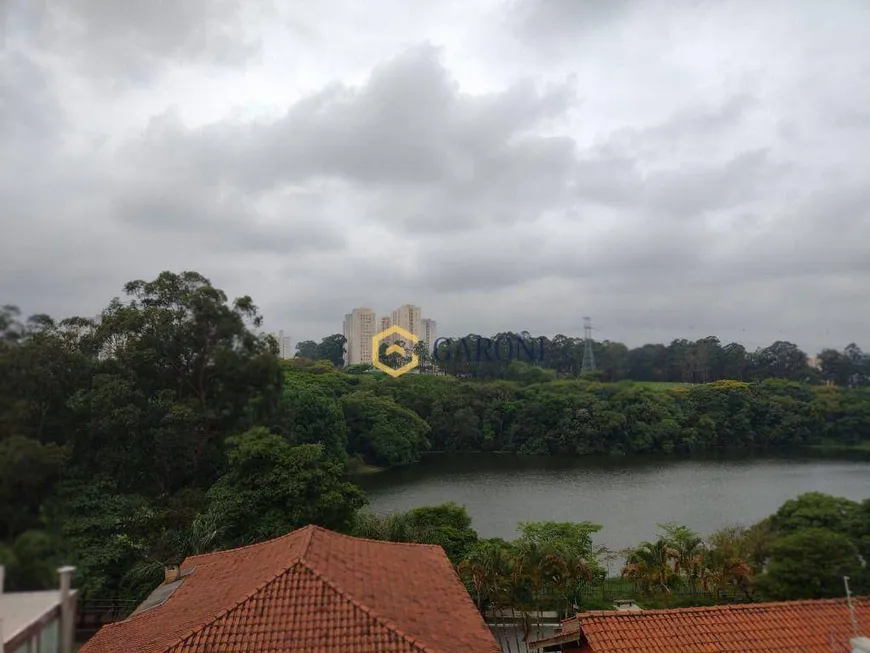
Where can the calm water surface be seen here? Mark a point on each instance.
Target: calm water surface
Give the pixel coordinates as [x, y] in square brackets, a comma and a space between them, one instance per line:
[628, 496]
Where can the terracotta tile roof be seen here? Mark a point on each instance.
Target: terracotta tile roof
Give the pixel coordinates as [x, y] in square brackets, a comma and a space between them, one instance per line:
[312, 590]
[787, 627]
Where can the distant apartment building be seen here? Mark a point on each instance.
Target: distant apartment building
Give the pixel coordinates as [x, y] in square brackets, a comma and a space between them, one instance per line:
[409, 317]
[284, 350]
[428, 333]
[359, 328]
[361, 325]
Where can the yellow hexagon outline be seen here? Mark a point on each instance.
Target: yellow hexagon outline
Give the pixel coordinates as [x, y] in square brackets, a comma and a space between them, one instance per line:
[376, 358]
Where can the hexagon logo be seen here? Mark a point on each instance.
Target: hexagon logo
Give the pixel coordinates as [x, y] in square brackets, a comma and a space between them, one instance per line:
[394, 349]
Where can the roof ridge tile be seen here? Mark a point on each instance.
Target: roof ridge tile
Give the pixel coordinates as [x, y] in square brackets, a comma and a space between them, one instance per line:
[330, 533]
[295, 532]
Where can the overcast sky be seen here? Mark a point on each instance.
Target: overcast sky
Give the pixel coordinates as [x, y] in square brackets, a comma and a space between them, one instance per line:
[671, 168]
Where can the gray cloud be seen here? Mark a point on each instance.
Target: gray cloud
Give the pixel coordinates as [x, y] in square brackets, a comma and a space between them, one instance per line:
[698, 169]
[133, 40]
[543, 22]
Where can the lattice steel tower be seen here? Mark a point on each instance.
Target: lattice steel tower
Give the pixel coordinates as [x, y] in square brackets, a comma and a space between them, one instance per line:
[588, 364]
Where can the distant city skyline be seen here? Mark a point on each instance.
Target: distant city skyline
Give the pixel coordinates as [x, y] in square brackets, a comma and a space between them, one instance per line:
[626, 333]
[362, 324]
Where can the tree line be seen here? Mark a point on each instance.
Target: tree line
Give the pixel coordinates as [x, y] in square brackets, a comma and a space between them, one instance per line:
[168, 426]
[395, 421]
[560, 356]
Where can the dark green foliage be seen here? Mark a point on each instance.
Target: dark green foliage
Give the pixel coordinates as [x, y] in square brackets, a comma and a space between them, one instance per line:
[810, 564]
[331, 349]
[273, 487]
[816, 510]
[311, 415]
[682, 361]
[447, 525]
[104, 533]
[114, 435]
[28, 473]
[31, 561]
[815, 540]
[382, 431]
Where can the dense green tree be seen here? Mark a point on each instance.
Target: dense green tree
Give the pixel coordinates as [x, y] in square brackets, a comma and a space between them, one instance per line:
[31, 561]
[180, 367]
[272, 487]
[781, 360]
[29, 472]
[816, 510]
[310, 415]
[861, 532]
[448, 526]
[307, 349]
[331, 349]
[104, 534]
[810, 564]
[382, 431]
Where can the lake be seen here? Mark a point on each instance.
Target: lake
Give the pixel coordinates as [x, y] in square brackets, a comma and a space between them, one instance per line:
[627, 495]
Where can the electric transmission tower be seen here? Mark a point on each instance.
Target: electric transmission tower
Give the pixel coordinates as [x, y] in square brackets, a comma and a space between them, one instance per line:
[588, 364]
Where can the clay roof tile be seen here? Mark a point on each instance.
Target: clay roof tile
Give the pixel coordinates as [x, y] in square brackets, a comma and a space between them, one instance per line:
[310, 590]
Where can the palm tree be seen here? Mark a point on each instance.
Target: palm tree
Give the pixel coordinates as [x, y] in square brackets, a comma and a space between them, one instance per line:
[571, 570]
[202, 536]
[514, 590]
[689, 550]
[652, 567]
[533, 563]
[483, 569]
[729, 571]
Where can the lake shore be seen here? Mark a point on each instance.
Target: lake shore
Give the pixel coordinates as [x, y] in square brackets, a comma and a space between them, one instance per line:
[627, 495]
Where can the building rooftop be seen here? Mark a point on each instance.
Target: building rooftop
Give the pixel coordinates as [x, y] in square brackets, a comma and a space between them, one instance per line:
[310, 590]
[19, 610]
[807, 626]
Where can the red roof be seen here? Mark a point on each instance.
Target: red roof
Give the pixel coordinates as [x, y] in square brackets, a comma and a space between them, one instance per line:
[312, 590]
[804, 626]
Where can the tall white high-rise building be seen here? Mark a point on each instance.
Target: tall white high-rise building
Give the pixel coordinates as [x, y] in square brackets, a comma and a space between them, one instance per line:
[409, 318]
[428, 333]
[284, 350]
[360, 326]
